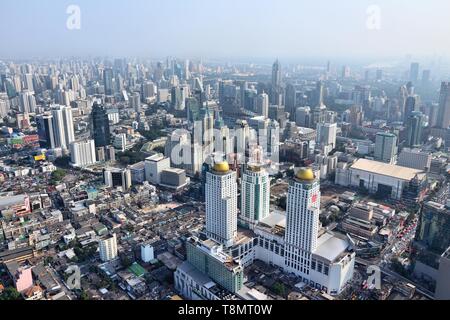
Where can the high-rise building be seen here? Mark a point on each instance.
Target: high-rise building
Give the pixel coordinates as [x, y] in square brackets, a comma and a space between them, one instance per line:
[326, 136]
[108, 81]
[82, 153]
[255, 195]
[116, 177]
[414, 72]
[386, 147]
[63, 126]
[221, 204]
[154, 166]
[100, 125]
[414, 125]
[108, 248]
[302, 224]
[415, 159]
[27, 102]
[444, 106]
[276, 74]
[46, 131]
[426, 77]
[411, 105]
[434, 227]
[262, 104]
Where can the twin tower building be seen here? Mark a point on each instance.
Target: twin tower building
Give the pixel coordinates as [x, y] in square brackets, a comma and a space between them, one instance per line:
[293, 241]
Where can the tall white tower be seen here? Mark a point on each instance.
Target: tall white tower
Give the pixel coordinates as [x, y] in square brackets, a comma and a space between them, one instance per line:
[221, 204]
[302, 225]
[63, 126]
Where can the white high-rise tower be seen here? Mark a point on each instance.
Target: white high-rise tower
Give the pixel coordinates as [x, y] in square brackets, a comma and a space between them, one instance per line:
[302, 225]
[63, 126]
[221, 204]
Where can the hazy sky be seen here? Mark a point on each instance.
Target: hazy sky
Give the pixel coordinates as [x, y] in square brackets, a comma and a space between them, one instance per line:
[225, 28]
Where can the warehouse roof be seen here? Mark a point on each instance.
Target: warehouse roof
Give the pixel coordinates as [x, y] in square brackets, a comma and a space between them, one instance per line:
[386, 169]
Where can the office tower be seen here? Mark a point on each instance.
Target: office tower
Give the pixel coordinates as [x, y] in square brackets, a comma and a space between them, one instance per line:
[148, 90]
[402, 96]
[108, 248]
[414, 72]
[100, 125]
[444, 106]
[135, 101]
[303, 117]
[386, 147]
[262, 104]
[108, 81]
[176, 97]
[27, 102]
[255, 195]
[414, 125]
[434, 227]
[46, 131]
[426, 77]
[302, 221]
[116, 177]
[28, 82]
[276, 74]
[82, 153]
[63, 126]
[415, 159]
[4, 105]
[411, 105]
[154, 165]
[110, 153]
[326, 136]
[120, 142]
[410, 88]
[221, 204]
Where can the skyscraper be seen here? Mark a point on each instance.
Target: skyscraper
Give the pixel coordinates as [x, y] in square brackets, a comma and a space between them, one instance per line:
[414, 126]
[108, 81]
[444, 106]
[46, 131]
[262, 104]
[414, 72]
[100, 125]
[255, 195]
[386, 147]
[302, 224]
[63, 126]
[221, 204]
[108, 248]
[276, 74]
[82, 153]
[326, 136]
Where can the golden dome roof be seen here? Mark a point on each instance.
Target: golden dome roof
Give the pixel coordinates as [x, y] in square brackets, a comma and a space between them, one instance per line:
[222, 167]
[305, 174]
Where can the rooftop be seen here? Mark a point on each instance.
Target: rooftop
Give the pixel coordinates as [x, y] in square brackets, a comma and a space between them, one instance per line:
[386, 169]
[330, 247]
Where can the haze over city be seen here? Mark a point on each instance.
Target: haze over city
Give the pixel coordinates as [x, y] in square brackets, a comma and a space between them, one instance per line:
[253, 29]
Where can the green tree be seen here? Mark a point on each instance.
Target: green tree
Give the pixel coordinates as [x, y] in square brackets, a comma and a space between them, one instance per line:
[10, 293]
[84, 295]
[279, 289]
